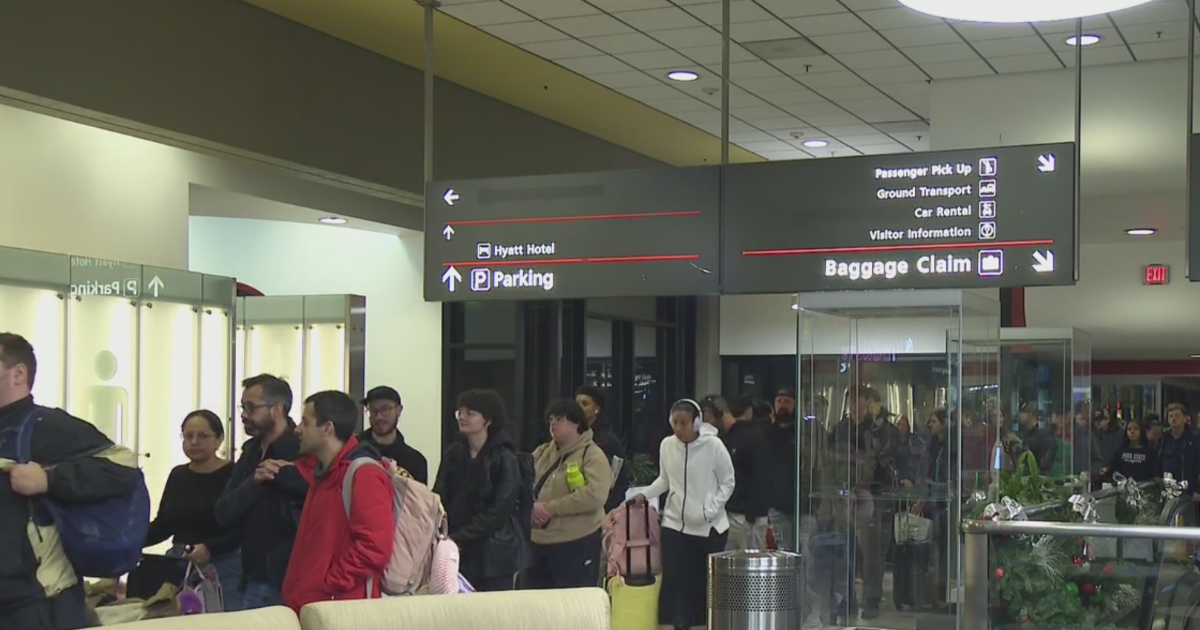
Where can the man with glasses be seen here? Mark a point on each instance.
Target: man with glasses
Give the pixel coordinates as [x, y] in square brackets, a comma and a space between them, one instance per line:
[265, 493]
[383, 410]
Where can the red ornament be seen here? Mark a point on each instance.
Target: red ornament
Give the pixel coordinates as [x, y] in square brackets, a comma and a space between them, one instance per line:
[1077, 560]
[1088, 589]
[1109, 570]
[999, 573]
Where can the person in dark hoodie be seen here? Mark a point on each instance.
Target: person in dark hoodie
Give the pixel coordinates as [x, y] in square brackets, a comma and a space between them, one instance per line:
[1136, 458]
[1180, 449]
[339, 553]
[70, 461]
[384, 409]
[1036, 440]
[1109, 438]
[747, 445]
[265, 494]
[479, 481]
[592, 401]
[783, 438]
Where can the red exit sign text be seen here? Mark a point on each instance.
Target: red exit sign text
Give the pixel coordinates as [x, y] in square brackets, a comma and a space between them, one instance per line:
[1156, 274]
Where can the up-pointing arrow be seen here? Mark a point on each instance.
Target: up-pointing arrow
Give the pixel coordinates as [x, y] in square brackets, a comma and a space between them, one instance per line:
[448, 231]
[155, 285]
[1046, 163]
[451, 277]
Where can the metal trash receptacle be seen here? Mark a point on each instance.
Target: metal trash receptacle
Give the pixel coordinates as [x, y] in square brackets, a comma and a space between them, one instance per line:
[755, 590]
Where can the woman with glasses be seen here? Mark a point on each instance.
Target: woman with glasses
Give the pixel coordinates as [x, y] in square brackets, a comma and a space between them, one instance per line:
[186, 512]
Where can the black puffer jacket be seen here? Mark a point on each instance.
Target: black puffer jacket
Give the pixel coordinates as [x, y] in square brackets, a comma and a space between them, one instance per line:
[481, 498]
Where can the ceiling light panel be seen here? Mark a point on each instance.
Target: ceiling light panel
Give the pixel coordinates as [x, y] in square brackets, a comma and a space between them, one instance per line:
[1018, 10]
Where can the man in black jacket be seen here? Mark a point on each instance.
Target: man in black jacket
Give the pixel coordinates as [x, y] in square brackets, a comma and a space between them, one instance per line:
[592, 401]
[384, 409]
[747, 446]
[264, 495]
[71, 461]
[783, 437]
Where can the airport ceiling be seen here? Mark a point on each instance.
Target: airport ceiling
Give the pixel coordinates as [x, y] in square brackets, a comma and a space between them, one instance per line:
[854, 73]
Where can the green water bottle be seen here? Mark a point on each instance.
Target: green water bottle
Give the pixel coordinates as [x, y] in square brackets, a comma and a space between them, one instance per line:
[575, 478]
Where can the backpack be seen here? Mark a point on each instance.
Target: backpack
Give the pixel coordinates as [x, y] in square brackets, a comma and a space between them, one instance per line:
[420, 527]
[101, 539]
[633, 543]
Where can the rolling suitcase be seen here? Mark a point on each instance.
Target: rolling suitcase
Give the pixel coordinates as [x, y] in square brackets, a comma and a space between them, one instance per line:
[912, 578]
[635, 596]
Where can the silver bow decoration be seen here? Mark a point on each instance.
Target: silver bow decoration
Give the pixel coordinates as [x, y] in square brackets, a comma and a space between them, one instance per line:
[1172, 489]
[1085, 506]
[1006, 510]
[1130, 491]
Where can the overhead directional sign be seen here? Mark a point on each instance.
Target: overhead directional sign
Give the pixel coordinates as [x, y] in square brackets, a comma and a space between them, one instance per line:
[954, 219]
[581, 235]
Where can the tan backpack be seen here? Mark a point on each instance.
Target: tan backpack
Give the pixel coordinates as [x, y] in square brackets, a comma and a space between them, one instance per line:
[420, 525]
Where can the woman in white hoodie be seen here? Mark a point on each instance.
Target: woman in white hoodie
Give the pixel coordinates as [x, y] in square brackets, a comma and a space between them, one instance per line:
[696, 473]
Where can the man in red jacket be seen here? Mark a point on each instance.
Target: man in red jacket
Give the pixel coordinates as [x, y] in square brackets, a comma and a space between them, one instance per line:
[335, 554]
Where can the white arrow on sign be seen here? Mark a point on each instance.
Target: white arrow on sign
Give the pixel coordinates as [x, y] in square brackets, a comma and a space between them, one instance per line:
[451, 278]
[450, 197]
[1046, 163]
[448, 231]
[1043, 263]
[155, 285]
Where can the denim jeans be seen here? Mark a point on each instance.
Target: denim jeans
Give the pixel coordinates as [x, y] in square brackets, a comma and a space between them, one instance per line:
[260, 595]
[229, 572]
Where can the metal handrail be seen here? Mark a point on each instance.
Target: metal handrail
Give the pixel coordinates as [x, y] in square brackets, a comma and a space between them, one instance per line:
[1098, 495]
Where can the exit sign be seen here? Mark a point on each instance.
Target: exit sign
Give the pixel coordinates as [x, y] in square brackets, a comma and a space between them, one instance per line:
[1156, 274]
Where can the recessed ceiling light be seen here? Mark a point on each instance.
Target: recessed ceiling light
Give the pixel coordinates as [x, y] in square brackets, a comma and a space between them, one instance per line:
[682, 75]
[1087, 40]
[816, 144]
[1194, 356]
[1141, 231]
[331, 220]
[1009, 11]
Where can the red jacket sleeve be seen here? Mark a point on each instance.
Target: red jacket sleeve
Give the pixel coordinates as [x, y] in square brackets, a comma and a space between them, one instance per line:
[372, 526]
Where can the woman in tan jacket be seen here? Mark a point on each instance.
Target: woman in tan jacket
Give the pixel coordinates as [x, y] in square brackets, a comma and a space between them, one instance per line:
[573, 480]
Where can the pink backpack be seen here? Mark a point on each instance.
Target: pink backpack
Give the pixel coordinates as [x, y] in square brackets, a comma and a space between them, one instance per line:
[632, 542]
[420, 528]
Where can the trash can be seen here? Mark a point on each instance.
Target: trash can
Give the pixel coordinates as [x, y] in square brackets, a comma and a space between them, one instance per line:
[755, 590]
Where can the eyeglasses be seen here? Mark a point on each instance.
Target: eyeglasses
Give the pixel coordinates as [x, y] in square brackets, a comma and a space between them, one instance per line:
[250, 407]
[382, 410]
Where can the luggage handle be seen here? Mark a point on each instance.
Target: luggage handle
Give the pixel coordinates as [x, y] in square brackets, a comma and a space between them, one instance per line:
[648, 578]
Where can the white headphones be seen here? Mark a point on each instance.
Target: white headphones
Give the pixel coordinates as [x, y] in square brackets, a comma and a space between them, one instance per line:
[699, 412]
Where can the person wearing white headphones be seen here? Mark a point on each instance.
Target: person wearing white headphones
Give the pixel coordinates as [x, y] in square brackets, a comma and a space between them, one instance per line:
[696, 473]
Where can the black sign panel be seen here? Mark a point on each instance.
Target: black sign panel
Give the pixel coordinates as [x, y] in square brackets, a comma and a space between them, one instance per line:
[625, 233]
[953, 219]
[1193, 243]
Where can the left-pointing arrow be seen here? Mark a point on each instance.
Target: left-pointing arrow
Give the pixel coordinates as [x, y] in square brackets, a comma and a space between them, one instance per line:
[450, 197]
[451, 278]
[448, 231]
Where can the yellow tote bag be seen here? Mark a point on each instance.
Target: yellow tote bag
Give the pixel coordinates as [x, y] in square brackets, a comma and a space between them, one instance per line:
[634, 607]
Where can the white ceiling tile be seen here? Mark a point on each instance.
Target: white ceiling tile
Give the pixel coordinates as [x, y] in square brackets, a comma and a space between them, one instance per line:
[590, 26]
[898, 74]
[897, 17]
[874, 59]
[919, 88]
[485, 13]
[592, 65]
[525, 32]
[1155, 32]
[658, 59]
[862, 105]
[804, 66]
[840, 94]
[801, 8]
[918, 104]
[751, 136]
[851, 42]
[829, 80]
[547, 9]
[450, 2]
[712, 54]
[978, 31]
[1160, 50]
[767, 145]
[799, 131]
[922, 36]
[1098, 56]
[865, 139]
[713, 128]
[624, 43]
[754, 114]
[993, 48]
[710, 116]
[805, 110]
[752, 70]
[856, 129]
[651, 92]
[765, 85]
[829, 24]
[561, 49]
[941, 53]
[867, 5]
[680, 105]
[798, 94]
[739, 98]
[658, 19]
[739, 11]
[1109, 38]
[883, 149]
[626, 79]
[1162, 11]
[823, 120]
[783, 156]
[886, 115]
[611, 6]
[957, 69]
[1068, 26]
[783, 123]
[688, 37]
[1026, 63]
[761, 31]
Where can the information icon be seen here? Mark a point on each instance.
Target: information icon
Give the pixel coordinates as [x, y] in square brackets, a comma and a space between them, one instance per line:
[988, 166]
[481, 280]
[991, 262]
[987, 230]
[987, 209]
